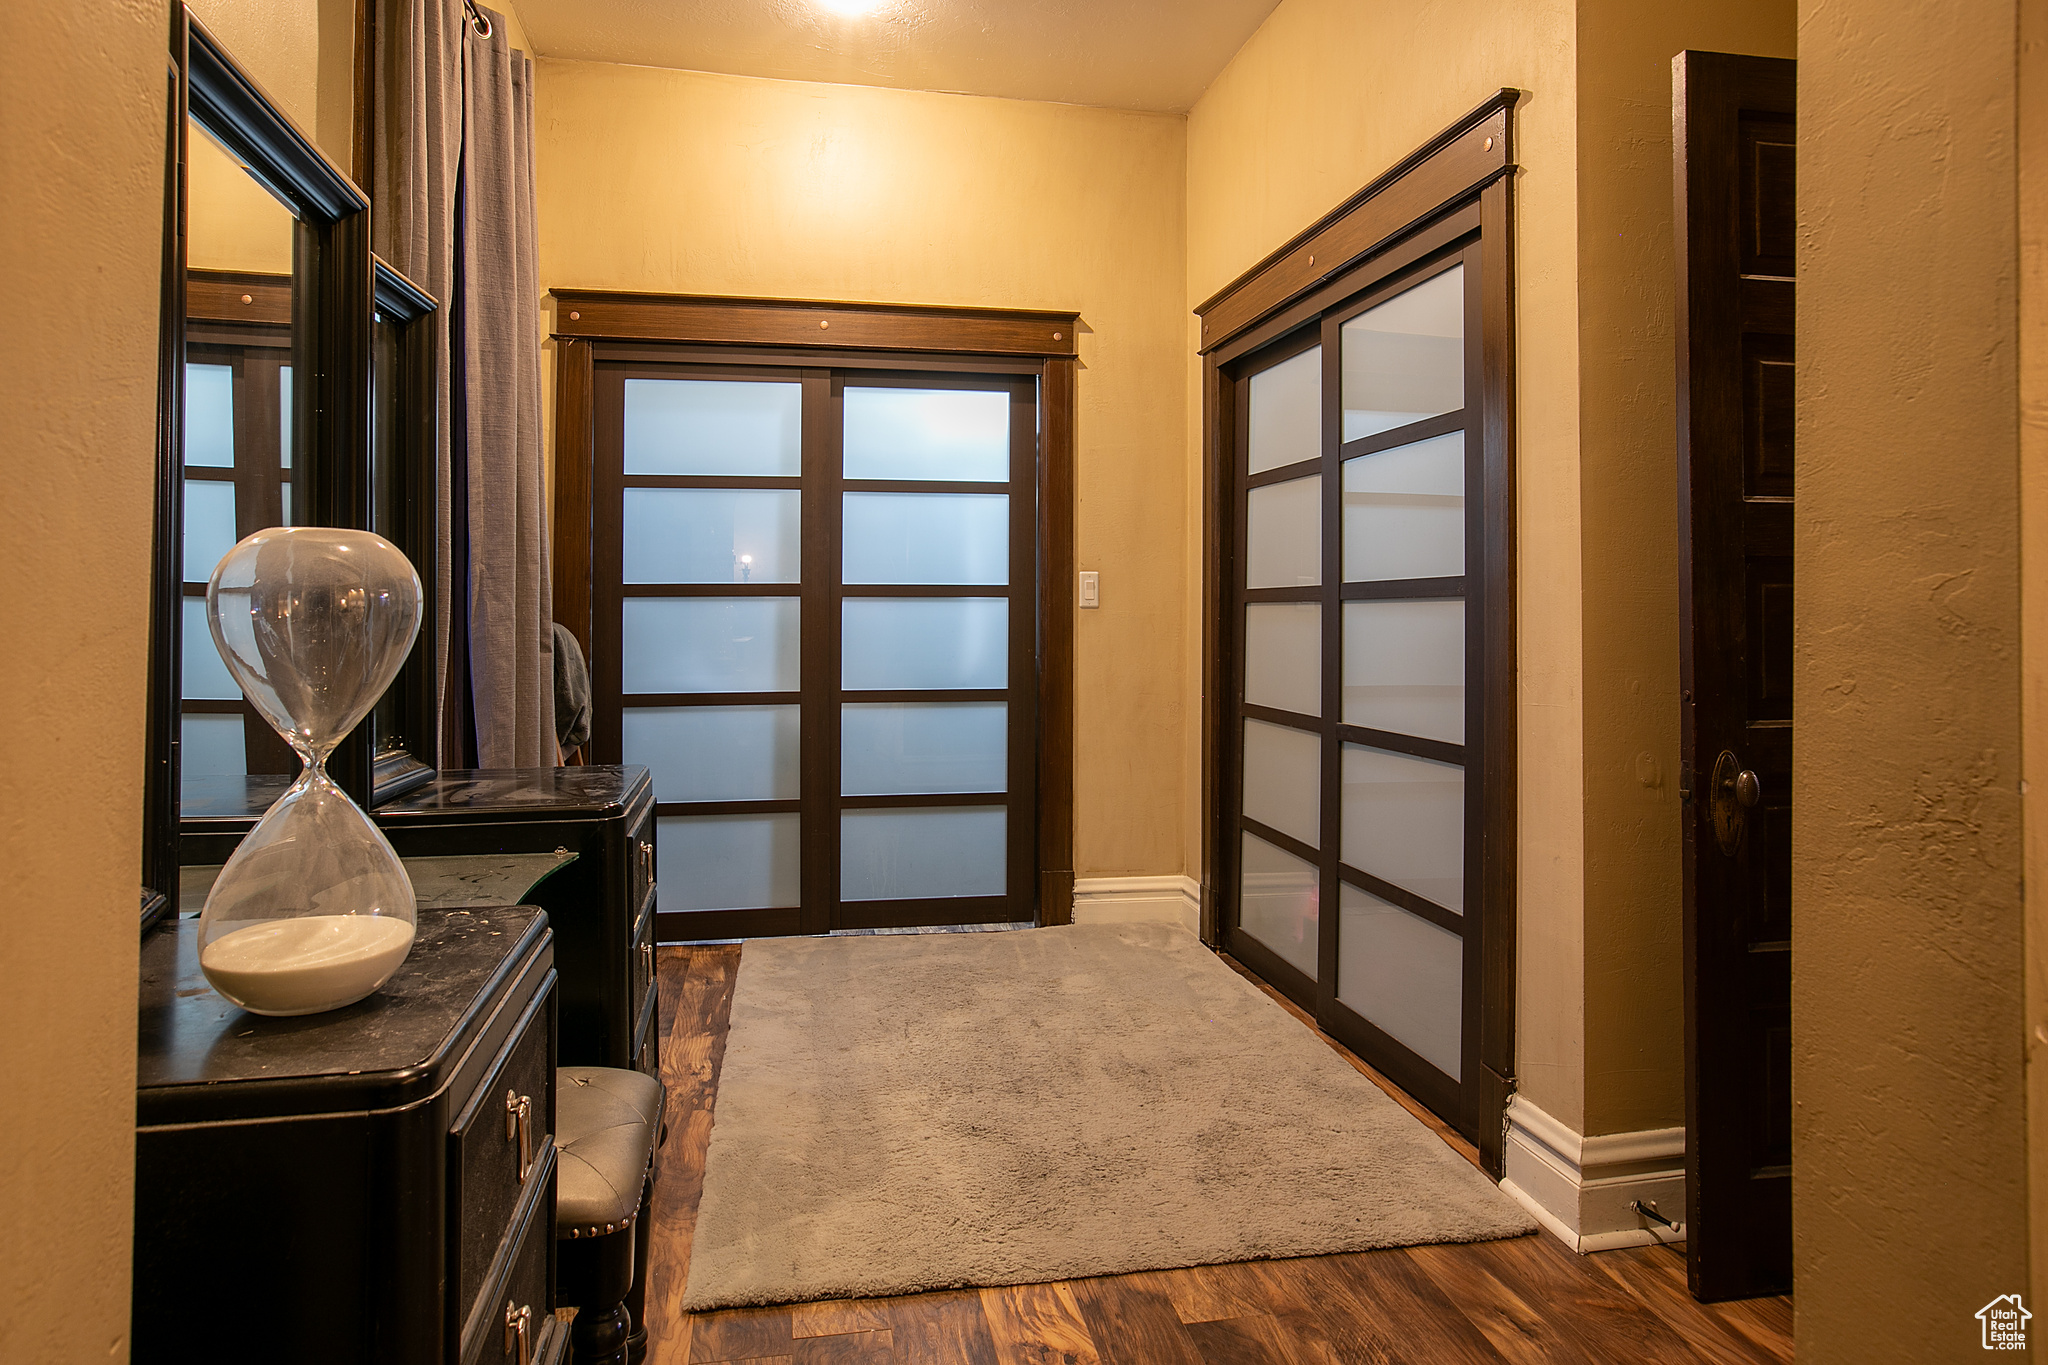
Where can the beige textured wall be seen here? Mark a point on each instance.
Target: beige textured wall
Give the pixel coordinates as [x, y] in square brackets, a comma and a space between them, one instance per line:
[302, 52]
[1326, 96]
[1635, 1021]
[691, 183]
[514, 30]
[1910, 1209]
[82, 93]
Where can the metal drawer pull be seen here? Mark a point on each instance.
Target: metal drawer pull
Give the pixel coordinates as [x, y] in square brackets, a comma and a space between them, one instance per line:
[519, 1128]
[647, 959]
[519, 1331]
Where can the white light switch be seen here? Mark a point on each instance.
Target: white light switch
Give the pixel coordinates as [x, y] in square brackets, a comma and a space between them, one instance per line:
[1091, 588]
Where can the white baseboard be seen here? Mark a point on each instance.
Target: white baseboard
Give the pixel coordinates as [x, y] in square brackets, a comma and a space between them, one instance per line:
[1580, 1188]
[1108, 900]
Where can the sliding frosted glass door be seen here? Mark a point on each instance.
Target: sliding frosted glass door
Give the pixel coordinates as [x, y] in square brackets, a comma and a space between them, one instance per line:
[1351, 778]
[823, 627]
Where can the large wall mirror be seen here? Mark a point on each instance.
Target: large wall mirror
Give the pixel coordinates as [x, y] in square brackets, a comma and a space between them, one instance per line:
[294, 393]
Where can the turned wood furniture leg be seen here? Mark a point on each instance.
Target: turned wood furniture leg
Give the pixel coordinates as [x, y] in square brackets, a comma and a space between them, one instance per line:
[606, 1120]
[636, 1298]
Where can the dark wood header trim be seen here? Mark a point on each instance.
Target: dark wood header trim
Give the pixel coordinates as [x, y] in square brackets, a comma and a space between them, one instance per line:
[1451, 167]
[601, 315]
[238, 296]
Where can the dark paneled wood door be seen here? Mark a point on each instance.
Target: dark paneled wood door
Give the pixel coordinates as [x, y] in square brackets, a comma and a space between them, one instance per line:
[1735, 222]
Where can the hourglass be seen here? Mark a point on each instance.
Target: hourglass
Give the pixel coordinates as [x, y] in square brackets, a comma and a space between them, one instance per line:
[314, 911]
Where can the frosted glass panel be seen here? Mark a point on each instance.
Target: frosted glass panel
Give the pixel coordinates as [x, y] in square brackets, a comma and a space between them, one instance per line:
[716, 753]
[1404, 512]
[1404, 668]
[924, 642]
[1404, 822]
[713, 426]
[728, 862]
[211, 745]
[1284, 525]
[209, 526]
[927, 538]
[205, 675]
[711, 644]
[900, 854]
[284, 417]
[210, 415]
[712, 535]
[1404, 360]
[1287, 412]
[1277, 895]
[927, 434]
[887, 749]
[1404, 974]
[1283, 656]
[1283, 779]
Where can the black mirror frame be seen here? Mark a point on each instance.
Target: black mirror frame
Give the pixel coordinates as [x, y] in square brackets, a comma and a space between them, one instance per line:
[334, 293]
[406, 519]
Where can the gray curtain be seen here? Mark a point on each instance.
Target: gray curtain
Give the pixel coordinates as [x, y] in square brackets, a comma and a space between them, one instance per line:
[511, 638]
[452, 179]
[415, 158]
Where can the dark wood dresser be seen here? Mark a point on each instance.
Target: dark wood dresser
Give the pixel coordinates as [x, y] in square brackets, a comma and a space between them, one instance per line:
[371, 1184]
[601, 904]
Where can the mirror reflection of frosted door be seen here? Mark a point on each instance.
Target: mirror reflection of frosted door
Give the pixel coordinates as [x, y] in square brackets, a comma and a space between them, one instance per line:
[238, 436]
[237, 481]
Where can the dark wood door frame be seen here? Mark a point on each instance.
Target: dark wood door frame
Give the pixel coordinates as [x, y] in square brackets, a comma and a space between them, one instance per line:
[1733, 138]
[1456, 187]
[594, 325]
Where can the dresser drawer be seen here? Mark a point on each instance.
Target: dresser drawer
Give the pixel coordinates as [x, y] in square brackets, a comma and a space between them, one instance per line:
[640, 858]
[496, 1152]
[517, 1296]
[646, 994]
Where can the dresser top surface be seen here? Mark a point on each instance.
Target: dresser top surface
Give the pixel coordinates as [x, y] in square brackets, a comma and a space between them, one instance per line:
[391, 1044]
[439, 881]
[490, 793]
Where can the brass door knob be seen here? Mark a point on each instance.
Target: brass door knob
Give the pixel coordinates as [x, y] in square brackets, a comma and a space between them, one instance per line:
[1732, 792]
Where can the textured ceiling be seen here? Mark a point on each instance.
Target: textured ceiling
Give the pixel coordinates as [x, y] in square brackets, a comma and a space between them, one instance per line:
[1122, 54]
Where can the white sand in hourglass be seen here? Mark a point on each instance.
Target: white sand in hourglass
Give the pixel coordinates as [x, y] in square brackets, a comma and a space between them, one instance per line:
[306, 964]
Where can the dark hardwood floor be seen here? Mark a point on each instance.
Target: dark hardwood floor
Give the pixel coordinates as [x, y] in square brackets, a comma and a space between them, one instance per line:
[1527, 1301]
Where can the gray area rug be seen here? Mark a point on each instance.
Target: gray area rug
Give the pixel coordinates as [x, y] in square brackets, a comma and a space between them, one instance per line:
[917, 1112]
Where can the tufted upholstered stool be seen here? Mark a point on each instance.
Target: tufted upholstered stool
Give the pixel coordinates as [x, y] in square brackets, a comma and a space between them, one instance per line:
[606, 1122]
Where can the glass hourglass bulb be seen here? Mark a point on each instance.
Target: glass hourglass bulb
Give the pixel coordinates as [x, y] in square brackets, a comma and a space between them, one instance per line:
[314, 911]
